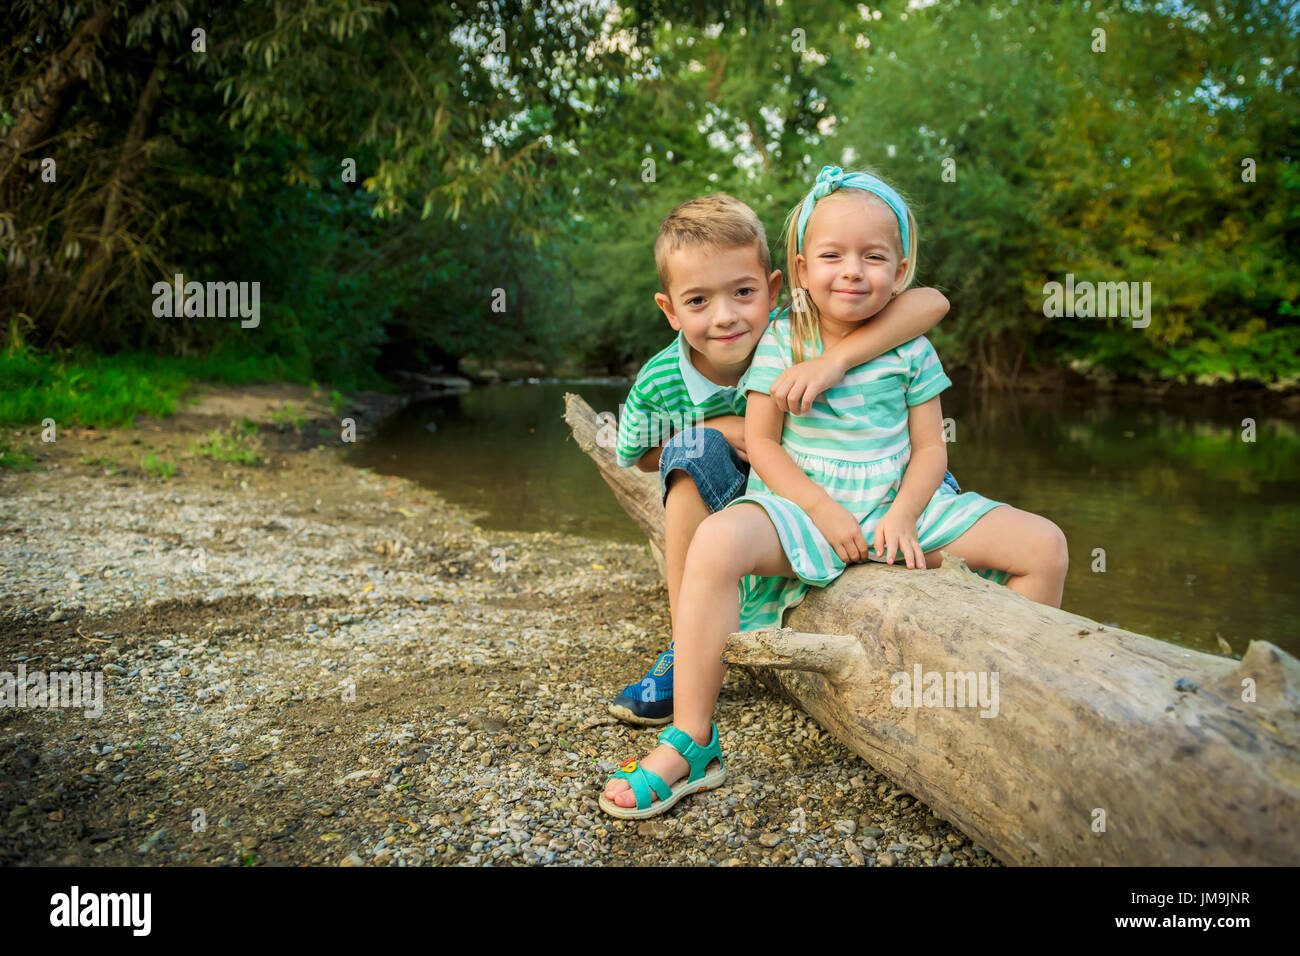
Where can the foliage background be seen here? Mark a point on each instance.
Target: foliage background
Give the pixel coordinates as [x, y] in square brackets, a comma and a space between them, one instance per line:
[505, 145]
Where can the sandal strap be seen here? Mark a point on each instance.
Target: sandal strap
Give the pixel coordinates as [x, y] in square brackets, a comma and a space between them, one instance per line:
[698, 757]
[637, 780]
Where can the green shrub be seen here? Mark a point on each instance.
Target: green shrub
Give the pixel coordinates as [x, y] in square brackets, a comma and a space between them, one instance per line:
[15, 459]
[158, 467]
[238, 445]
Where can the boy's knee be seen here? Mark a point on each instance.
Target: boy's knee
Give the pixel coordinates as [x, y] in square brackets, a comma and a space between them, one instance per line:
[690, 443]
[679, 486]
[698, 455]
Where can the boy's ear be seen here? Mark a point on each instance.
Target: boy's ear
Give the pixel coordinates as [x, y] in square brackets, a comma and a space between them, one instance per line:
[666, 304]
[773, 289]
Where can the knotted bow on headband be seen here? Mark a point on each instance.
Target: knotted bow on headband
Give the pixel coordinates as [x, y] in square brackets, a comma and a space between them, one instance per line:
[832, 178]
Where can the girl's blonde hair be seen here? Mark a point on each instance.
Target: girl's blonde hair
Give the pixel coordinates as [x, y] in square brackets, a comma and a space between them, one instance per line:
[805, 320]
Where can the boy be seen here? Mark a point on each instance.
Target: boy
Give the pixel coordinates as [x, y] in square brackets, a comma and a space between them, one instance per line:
[719, 293]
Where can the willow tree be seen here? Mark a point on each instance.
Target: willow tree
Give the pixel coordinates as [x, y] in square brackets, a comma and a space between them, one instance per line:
[170, 124]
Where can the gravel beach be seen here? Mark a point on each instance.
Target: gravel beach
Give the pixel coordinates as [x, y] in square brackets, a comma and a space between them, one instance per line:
[306, 663]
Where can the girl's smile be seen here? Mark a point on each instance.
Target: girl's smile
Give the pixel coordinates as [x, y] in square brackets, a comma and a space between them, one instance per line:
[851, 262]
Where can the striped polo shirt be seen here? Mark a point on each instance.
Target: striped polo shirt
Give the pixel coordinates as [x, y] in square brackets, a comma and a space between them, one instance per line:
[670, 394]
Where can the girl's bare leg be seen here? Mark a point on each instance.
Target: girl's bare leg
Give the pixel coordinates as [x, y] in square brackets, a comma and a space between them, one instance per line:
[728, 545]
[1029, 546]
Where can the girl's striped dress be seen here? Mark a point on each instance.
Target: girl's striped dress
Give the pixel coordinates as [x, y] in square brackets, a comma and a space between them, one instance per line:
[855, 444]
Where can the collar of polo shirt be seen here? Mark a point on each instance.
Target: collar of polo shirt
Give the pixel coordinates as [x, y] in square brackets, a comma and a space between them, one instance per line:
[697, 386]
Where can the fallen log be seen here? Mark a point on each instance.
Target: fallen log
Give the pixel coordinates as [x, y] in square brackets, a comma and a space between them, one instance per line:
[1044, 736]
[637, 491]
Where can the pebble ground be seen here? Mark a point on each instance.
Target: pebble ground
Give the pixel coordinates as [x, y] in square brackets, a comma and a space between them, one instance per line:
[310, 664]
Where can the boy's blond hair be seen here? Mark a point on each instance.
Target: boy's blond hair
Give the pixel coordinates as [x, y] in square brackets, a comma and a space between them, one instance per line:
[717, 221]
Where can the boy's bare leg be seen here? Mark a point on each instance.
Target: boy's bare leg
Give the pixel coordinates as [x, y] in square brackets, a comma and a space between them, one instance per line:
[734, 542]
[1028, 546]
[684, 509]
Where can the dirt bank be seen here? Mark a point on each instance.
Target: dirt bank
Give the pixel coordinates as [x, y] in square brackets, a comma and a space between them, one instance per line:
[305, 663]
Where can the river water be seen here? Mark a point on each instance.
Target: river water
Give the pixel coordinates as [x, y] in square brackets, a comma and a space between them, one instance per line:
[1200, 529]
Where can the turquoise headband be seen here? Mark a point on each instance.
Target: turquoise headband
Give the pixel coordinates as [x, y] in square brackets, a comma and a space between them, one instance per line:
[832, 178]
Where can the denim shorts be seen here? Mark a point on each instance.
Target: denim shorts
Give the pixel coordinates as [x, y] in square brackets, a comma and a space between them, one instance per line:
[718, 472]
[710, 461]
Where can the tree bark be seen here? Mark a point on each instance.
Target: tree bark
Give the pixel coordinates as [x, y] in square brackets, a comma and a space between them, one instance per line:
[37, 110]
[130, 159]
[637, 491]
[128, 166]
[1100, 746]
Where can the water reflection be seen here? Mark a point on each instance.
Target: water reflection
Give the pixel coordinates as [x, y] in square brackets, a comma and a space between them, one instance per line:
[1197, 527]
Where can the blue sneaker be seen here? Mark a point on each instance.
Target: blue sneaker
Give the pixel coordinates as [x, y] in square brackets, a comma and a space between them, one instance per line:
[648, 702]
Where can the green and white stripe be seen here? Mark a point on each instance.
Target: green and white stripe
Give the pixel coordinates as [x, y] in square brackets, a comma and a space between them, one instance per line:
[855, 444]
[863, 417]
[662, 402]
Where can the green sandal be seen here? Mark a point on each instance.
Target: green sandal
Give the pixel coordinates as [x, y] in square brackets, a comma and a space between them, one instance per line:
[642, 781]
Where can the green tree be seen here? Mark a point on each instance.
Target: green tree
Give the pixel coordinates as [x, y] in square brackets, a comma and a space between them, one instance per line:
[1122, 165]
[225, 160]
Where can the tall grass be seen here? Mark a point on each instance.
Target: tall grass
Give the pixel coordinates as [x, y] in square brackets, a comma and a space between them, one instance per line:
[79, 387]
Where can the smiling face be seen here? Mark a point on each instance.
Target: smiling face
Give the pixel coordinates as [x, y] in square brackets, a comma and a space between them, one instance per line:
[851, 261]
[719, 299]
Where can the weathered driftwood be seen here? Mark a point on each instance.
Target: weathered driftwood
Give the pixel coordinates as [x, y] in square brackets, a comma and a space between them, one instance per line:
[1105, 746]
[637, 491]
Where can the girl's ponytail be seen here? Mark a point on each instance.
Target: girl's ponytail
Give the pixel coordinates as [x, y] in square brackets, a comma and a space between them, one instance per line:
[805, 322]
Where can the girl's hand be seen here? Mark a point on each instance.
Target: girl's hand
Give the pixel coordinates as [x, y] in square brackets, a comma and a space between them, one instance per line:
[897, 532]
[841, 530]
[795, 389]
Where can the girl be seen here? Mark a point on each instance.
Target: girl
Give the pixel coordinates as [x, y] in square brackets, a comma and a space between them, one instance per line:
[864, 465]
